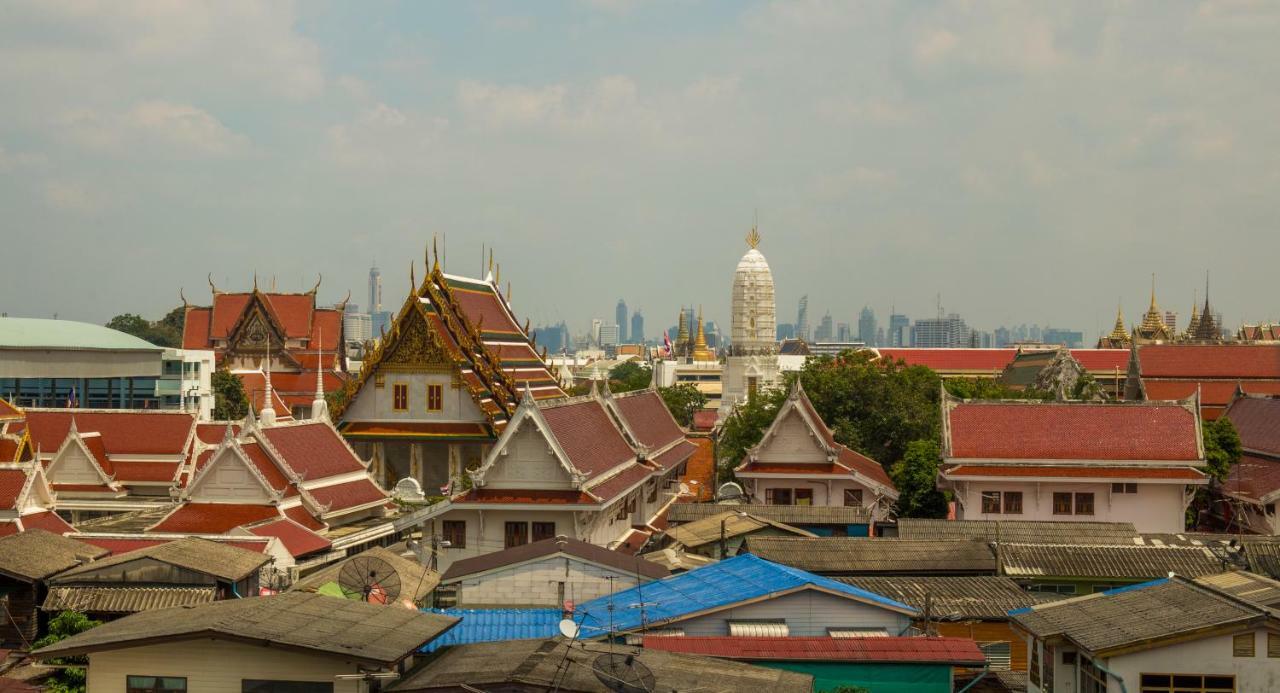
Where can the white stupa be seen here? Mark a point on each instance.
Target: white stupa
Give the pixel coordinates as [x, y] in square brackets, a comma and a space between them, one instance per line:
[752, 363]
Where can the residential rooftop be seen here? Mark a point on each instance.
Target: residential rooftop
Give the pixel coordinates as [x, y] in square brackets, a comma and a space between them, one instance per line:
[552, 547]
[797, 515]
[206, 556]
[868, 556]
[954, 598]
[37, 555]
[1023, 531]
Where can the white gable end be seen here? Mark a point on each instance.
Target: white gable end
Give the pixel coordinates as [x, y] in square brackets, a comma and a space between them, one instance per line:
[792, 442]
[229, 478]
[527, 461]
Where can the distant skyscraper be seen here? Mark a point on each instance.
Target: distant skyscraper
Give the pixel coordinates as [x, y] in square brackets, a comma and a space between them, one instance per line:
[826, 329]
[802, 319]
[867, 326]
[786, 331]
[1171, 321]
[1072, 339]
[943, 332]
[1003, 337]
[375, 290]
[356, 326]
[620, 319]
[637, 328]
[554, 337]
[899, 330]
[608, 336]
[843, 332]
[596, 324]
[712, 333]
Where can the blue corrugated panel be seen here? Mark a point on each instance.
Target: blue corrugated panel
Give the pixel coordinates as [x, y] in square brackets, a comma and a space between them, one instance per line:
[492, 625]
[713, 586]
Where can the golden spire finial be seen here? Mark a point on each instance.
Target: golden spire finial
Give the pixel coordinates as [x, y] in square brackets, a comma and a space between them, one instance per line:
[435, 255]
[753, 238]
[1153, 291]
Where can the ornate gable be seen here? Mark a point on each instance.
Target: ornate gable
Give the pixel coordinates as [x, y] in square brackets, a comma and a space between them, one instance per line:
[413, 347]
[258, 333]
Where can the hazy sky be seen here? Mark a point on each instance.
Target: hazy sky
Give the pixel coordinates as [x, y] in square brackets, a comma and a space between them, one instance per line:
[1030, 162]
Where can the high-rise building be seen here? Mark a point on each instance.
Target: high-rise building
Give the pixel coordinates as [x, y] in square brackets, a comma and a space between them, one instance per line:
[1171, 321]
[712, 332]
[596, 324]
[826, 329]
[867, 327]
[1003, 337]
[620, 319]
[899, 330]
[637, 328]
[375, 290]
[802, 319]
[786, 331]
[1072, 339]
[555, 338]
[356, 326]
[608, 335]
[942, 332]
[843, 332]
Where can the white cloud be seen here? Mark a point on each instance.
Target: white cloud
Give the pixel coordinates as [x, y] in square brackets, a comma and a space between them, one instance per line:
[382, 135]
[155, 127]
[66, 196]
[935, 45]
[609, 105]
[498, 105]
[12, 161]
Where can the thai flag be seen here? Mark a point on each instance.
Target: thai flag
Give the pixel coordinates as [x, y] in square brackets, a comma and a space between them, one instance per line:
[666, 342]
[444, 490]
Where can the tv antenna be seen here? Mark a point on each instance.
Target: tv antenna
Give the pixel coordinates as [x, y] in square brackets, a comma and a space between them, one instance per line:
[372, 579]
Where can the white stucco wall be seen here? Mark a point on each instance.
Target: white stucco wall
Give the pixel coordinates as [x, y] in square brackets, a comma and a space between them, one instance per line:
[1154, 508]
[807, 613]
[541, 584]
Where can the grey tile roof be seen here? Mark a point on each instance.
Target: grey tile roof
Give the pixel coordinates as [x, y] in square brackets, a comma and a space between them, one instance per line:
[1107, 561]
[540, 664]
[551, 547]
[954, 598]
[707, 530]
[864, 556]
[789, 514]
[1138, 615]
[36, 554]
[293, 620]
[1251, 587]
[1021, 531]
[413, 575]
[192, 553]
[123, 600]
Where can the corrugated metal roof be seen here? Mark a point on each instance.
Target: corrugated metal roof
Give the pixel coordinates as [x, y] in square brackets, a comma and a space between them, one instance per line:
[708, 588]
[1109, 561]
[865, 556]
[920, 650]
[790, 514]
[1023, 531]
[124, 600]
[493, 625]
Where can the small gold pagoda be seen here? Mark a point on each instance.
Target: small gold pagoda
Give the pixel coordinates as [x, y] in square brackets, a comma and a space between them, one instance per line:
[701, 352]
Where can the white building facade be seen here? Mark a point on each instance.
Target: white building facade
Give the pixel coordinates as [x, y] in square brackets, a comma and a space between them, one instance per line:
[752, 363]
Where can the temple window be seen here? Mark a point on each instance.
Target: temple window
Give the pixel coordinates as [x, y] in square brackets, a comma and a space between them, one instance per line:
[400, 397]
[435, 397]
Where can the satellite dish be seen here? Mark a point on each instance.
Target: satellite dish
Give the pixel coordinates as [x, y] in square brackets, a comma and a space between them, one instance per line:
[369, 579]
[729, 491]
[569, 629]
[621, 673]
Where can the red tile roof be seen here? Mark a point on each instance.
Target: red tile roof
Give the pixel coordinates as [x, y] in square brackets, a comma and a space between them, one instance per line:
[1076, 472]
[587, 435]
[212, 518]
[978, 361]
[255, 388]
[118, 545]
[8, 527]
[620, 482]
[1071, 431]
[85, 488]
[864, 465]
[649, 419]
[48, 521]
[12, 481]
[633, 541]
[1102, 360]
[485, 495]
[195, 328]
[1228, 361]
[123, 431]
[262, 462]
[1257, 420]
[300, 515]
[298, 540]
[213, 433]
[127, 472]
[705, 419]
[313, 450]
[348, 495]
[919, 650]
[8, 411]
[1253, 478]
[9, 450]
[681, 452]
[1213, 393]
[96, 448]
[825, 469]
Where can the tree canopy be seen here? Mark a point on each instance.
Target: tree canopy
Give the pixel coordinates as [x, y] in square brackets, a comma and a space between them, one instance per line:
[629, 376]
[69, 678]
[165, 332]
[683, 400]
[1222, 447]
[229, 400]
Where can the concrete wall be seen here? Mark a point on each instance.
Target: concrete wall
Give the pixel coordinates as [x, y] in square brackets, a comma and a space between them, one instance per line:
[527, 462]
[215, 666]
[373, 403]
[228, 479]
[486, 528]
[33, 363]
[807, 613]
[544, 583]
[826, 492]
[1154, 508]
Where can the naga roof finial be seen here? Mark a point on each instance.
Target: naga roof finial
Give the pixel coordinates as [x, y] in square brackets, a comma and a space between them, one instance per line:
[753, 238]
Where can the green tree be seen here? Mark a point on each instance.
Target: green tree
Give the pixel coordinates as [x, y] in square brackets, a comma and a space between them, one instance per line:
[745, 426]
[683, 400]
[1222, 447]
[229, 400]
[629, 376]
[130, 323]
[916, 476]
[874, 407]
[70, 679]
[988, 388]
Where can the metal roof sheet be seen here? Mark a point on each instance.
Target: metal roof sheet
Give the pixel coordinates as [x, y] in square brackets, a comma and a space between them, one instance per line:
[493, 625]
[37, 333]
[124, 600]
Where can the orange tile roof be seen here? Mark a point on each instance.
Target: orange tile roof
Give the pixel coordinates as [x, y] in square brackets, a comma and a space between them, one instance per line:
[126, 472]
[313, 450]
[588, 436]
[701, 468]
[648, 417]
[49, 521]
[213, 518]
[348, 495]
[300, 515]
[1076, 472]
[12, 481]
[297, 540]
[484, 495]
[123, 431]
[1228, 361]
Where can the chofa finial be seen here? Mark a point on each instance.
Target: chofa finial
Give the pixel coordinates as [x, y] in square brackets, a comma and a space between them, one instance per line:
[753, 238]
